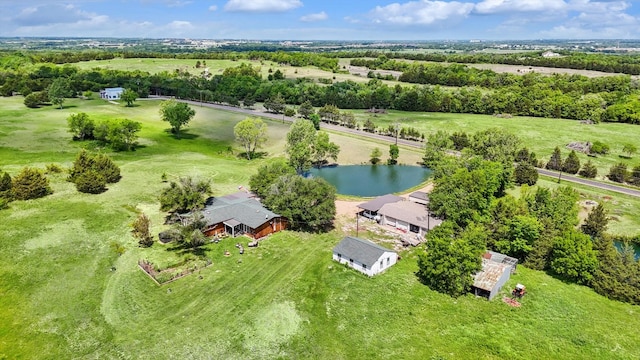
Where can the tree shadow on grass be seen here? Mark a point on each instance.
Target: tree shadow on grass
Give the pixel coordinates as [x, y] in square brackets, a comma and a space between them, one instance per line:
[624, 156]
[256, 155]
[182, 135]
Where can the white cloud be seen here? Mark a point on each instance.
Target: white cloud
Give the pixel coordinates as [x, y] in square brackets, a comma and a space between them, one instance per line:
[423, 12]
[315, 17]
[262, 5]
[504, 6]
[213, 8]
[51, 14]
[180, 25]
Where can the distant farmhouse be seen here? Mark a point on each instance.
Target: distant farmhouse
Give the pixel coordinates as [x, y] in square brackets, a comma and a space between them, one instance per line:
[363, 255]
[240, 214]
[111, 93]
[496, 270]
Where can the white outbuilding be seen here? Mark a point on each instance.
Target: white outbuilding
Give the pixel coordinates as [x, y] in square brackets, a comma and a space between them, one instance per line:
[111, 93]
[363, 255]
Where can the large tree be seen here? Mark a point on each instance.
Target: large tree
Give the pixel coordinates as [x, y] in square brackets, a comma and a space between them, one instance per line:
[129, 96]
[177, 114]
[324, 149]
[596, 222]
[308, 204]
[275, 104]
[81, 126]
[394, 153]
[299, 147]
[184, 196]
[573, 257]
[555, 163]
[618, 173]
[251, 133]
[451, 259]
[306, 109]
[525, 173]
[59, 89]
[267, 174]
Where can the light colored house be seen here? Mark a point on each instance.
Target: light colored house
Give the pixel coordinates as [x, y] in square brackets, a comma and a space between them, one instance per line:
[408, 216]
[363, 255]
[370, 208]
[496, 270]
[240, 214]
[111, 93]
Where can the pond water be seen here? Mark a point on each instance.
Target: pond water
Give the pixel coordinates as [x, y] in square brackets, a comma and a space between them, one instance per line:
[372, 180]
[636, 248]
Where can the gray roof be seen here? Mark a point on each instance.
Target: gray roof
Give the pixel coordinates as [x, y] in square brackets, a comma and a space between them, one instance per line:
[501, 258]
[410, 212]
[487, 278]
[420, 195]
[360, 250]
[377, 203]
[240, 207]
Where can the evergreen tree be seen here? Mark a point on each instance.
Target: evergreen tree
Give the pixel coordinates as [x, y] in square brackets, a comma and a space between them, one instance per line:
[634, 178]
[572, 164]
[91, 182]
[305, 109]
[5, 186]
[588, 170]
[105, 166]
[30, 183]
[394, 153]
[596, 223]
[91, 173]
[525, 173]
[555, 163]
[618, 173]
[617, 276]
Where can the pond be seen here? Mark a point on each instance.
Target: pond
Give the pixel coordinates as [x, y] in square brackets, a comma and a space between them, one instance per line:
[372, 180]
[636, 248]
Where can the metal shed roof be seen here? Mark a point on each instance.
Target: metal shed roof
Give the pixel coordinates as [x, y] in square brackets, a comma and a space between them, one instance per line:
[360, 250]
[377, 203]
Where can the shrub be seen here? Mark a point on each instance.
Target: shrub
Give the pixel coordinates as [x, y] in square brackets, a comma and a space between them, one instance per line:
[588, 170]
[100, 166]
[91, 182]
[53, 169]
[30, 183]
[618, 173]
[599, 148]
[525, 173]
[555, 163]
[572, 164]
[635, 176]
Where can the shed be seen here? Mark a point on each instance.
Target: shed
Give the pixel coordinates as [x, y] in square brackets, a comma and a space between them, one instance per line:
[111, 93]
[488, 281]
[363, 255]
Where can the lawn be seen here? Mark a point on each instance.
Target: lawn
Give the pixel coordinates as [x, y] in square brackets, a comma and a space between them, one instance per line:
[67, 293]
[538, 134]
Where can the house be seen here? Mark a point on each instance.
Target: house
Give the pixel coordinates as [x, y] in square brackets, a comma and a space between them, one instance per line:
[111, 93]
[496, 270]
[419, 197]
[240, 214]
[408, 216]
[370, 208]
[363, 255]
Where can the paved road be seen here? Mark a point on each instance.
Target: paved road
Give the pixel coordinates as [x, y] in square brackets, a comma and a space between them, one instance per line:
[409, 143]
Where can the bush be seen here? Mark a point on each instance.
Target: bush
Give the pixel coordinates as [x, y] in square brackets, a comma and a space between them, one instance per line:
[635, 176]
[30, 183]
[91, 182]
[599, 148]
[618, 173]
[572, 164]
[53, 169]
[588, 170]
[525, 173]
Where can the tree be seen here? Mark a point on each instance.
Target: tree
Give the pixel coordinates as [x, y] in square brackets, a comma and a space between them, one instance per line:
[140, 229]
[449, 261]
[129, 96]
[90, 173]
[177, 114]
[32, 100]
[308, 204]
[306, 109]
[249, 100]
[81, 126]
[275, 105]
[375, 156]
[617, 276]
[599, 148]
[573, 257]
[184, 196]
[6, 195]
[315, 119]
[289, 112]
[435, 148]
[59, 89]
[460, 140]
[329, 113]
[495, 145]
[123, 134]
[618, 173]
[630, 149]
[324, 149]
[30, 183]
[596, 223]
[588, 170]
[555, 163]
[299, 147]
[394, 153]
[525, 173]
[267, 174]
[571, 164]
[521, 232]
[91, 182]
[634, 178]
[251, 133]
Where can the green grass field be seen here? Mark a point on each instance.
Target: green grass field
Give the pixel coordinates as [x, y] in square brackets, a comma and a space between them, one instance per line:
[61, 298]
[540, 135]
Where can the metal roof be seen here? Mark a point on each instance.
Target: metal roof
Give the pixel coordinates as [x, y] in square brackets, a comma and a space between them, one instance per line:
[420, 195]
[501, 258]
[377, 203]
[410, 212]
[488, 277]
[360, 250]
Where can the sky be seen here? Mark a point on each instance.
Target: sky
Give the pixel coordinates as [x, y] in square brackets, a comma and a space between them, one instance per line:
[324, 20]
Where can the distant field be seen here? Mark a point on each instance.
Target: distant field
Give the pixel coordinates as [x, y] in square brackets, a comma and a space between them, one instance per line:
[66, 293]
[538, 134]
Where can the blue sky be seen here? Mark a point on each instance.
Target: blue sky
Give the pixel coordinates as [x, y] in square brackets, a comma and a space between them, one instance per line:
[331, 20]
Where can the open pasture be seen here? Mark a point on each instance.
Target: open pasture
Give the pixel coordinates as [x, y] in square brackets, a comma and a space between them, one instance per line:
[71, 287]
